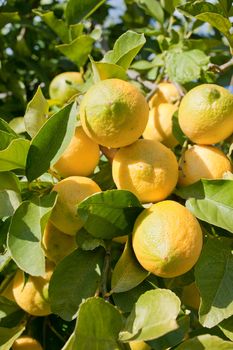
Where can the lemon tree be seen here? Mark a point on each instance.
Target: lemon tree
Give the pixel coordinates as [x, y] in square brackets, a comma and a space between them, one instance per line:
[116, 184]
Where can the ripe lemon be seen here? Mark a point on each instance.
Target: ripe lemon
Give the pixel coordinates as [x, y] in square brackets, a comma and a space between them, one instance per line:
[56, 244]
[32, 295]
[191, 296]
[80, 157]
[114, 113]
[202, 162]
[159, 126]
[167, 239]
[71, 191]
[166, 93]
[139, 345]
[64, 86]
[147, 168]
[26, 343]
[206, 114]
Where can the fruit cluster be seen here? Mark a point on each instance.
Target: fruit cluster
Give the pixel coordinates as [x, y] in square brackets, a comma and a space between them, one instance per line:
[167, 238]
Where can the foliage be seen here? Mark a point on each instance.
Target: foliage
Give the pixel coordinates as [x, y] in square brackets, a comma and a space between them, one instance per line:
[99, 293]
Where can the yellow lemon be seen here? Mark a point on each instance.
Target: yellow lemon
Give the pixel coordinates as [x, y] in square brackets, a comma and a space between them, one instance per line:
[147, 168]
[32, 295]
[56, 244]
[202, 162]
[26, 343]
[64, 86]
[206, 114]
[114, 113]
[166, 93]
[71, 191]
[167, 239]
[159, 126]
[80, 157]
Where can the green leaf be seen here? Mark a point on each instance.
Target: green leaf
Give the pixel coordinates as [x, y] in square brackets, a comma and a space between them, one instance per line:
[226, 327]
[69, 284]
[36, 113]
[104, 176]
[51, 141]
[216, 204]
[126, 47]
[17, 124]
[176, 130]
[4, 126]
[15, 155]
[110, 214]
[7, 307]
[174, 337]
[154, 315]
[5, 139]
[9, 181]
[205, 342]
[207, 12]
[9, 202]
[153, 8]
[75, 30]
[128, 273]
[57, 25]
[183, 67]
[87, 242]
[8, 17]
[9, 335]
[98, 325]
[78, 50]
[69, 344]
[24, 239]
[77, 10]
[214, 279]
[104, 70]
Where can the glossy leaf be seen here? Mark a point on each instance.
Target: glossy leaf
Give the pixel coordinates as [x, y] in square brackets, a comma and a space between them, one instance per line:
[9, 202]
[5, 139]
[215, 204]
[9, 181]
[183, 67]
[125, 49]
[128, 273]
[226, 327]
[57, 25]
[4, 126]
[205, 342]
[214, 279]
[78, 50]
[15, 155]
[176, 129]
[76, 10]
[98, 325]
[104, 70]
[36, 113]
[69, 284]
[51, 141]
[24, 239]
[153, 8]
[110, 214]
[154, 315]
[17, 124]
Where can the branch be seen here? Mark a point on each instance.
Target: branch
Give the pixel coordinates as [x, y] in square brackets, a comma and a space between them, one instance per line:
[104, 278]
[221, 69]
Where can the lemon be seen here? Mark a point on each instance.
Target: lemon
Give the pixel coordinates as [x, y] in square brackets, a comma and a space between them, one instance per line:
[32, 294]
[26, 343]
[80, 157]
[147, 168]
[202, 162]
[166, 93]
[71, 191]
[56, 244]
[64, 86]
[167, 239]
[159, 126]
[206, 114]
[114, 113]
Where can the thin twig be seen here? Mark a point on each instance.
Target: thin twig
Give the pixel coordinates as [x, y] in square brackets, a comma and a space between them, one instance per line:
[55, 331]
[183, 150]
[222, 68]
[104, 279]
